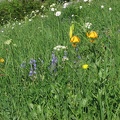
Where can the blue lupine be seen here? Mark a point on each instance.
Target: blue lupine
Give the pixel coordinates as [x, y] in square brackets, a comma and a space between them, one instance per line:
[54, 59]
[33, 67]
[65, 56]
[31, 72]
[53, 64]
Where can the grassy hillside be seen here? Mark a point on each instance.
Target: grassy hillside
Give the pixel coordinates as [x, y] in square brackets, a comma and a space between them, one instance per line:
[62, 66]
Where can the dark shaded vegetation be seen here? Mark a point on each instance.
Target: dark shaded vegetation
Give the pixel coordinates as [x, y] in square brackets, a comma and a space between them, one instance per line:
[18, 9]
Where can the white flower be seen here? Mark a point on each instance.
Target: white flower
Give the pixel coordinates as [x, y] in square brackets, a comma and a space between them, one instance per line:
[65, 5]
[19, 23]
[59, 47]
[43, 16]
[88, 25]
[42, 6]
[65, 58]
[102, 6]
[7, 42]
[30, 19]
[110, 9]
[80, 7]
[73, 15]
[58, 13]
[33, 12]
[63, 47]
[36, 11]
[52, 9]
[52, 5]
[89, 0]
[14, 45]
[85, 0]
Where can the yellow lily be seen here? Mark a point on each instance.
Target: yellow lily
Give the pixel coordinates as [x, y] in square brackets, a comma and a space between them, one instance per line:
[92, 34]
[75, 39]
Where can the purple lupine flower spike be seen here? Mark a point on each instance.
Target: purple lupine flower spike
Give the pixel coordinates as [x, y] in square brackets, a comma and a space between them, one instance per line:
[33, 67]
[65, 56]
[54, 59]
[53, 65]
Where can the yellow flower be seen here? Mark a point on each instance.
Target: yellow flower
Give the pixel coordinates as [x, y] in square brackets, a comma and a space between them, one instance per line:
[75, 39]
[92, 34]
[85, 66]
[2, 60]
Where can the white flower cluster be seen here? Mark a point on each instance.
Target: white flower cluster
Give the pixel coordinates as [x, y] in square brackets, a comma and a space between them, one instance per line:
[87, 0]
[58, 13]
[88, 25]
[52, 7]
[34, 13]
[65, 58]
[66, 4]
[59, 47]
[7, 42]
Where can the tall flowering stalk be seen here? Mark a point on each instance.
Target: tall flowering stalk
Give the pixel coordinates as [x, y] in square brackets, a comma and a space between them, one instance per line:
[73, 39]
[65, 58]
[33, 68]
[93, 35]
[53, 65]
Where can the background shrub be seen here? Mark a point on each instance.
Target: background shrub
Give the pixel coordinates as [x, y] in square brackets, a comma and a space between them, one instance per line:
[18, 9]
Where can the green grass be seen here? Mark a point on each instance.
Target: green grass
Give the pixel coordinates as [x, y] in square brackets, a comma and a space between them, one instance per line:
[69, 92]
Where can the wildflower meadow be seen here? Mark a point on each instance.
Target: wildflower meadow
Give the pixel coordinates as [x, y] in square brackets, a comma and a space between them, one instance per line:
[62, 63]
